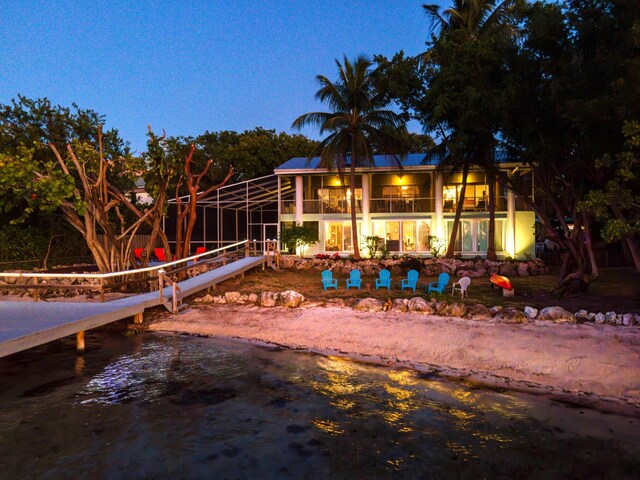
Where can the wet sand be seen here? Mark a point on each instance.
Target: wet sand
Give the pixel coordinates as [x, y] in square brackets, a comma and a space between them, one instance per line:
[592, 365]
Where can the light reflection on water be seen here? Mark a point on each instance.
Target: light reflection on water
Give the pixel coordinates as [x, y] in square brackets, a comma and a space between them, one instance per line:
[168, 406]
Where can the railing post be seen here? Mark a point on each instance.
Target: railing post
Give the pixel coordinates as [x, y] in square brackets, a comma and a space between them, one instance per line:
[101, 290]
[160, 281]
[174, 292]
[36, 293]
[247, 250]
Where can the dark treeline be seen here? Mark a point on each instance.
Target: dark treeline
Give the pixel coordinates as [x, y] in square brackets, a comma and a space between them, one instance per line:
[555, 86]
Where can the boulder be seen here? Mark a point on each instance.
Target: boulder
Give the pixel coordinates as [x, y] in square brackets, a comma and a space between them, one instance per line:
[206, 299]
[628, 320]
[556, 314]
[252, 298]
[290, 299]
[400, 305]
[507, 269]
[418, 304]
[523, 269]
[511, 315]
[599, 318]
[368, 305]
[530, 312]
[268, 299]
[478, 312]
[335, 302]
[219, 299]
[582, 316]
[456, 309]
[610, 318]
[495, 309]
[287, 261]
[232, 297]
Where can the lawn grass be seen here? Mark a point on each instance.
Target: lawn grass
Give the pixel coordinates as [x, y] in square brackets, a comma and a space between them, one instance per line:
[616, 289]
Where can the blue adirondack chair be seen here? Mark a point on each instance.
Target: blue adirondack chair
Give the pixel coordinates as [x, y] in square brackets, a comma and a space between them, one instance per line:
[440, 285]
[354, 279]
[411, 281]
[328, 281]
[384, 280]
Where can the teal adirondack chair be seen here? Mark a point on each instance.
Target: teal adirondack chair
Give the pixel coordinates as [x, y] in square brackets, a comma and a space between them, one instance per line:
[440, 285]
[328, 280]
[411, 281]
[354, 279]
[384, 280]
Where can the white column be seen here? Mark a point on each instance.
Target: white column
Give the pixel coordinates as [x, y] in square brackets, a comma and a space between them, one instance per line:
[438, 227]
[299, 199]
[510, 244]
[366, 205]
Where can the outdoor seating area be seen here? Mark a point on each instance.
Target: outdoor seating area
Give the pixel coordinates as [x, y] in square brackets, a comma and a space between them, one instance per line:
[384, 281]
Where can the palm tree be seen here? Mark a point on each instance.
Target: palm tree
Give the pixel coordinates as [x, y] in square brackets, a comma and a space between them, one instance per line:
[358, 125]
[469, 21]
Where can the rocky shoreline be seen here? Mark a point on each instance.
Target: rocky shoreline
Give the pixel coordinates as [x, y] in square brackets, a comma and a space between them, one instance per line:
[497, 313]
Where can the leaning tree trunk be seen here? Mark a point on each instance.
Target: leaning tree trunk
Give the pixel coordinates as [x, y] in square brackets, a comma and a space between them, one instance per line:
[456, 221]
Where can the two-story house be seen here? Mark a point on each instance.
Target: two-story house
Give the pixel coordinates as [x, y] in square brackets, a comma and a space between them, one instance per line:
[411, 209]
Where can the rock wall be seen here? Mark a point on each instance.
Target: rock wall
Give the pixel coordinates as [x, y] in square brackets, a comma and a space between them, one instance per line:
[429, 266]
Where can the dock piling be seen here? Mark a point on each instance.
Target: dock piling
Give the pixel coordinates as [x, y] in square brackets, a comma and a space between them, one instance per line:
[80, 342]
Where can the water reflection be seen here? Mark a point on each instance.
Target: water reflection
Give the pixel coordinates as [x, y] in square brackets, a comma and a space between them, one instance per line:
[196, 408]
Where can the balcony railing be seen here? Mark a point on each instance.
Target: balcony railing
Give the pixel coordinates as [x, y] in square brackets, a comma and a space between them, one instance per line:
[402, 205]
[396, 205]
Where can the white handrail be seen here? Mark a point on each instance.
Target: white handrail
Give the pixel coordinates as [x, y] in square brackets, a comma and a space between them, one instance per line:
[115, 274]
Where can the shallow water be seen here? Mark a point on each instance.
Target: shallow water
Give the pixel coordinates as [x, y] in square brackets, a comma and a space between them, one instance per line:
[162, 406]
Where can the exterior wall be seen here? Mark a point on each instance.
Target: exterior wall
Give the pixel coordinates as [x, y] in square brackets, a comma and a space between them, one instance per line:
[525, 242]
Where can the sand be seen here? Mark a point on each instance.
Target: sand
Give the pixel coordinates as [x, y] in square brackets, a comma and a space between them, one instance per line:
[594, 365]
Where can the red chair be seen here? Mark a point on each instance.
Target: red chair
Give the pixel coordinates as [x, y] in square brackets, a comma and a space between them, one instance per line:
[200, 250]
[159, 253]
[138, 253]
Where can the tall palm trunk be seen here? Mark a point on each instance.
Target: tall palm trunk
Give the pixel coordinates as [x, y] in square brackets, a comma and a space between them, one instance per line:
[491, 233]
[352, 188]
[456, 221]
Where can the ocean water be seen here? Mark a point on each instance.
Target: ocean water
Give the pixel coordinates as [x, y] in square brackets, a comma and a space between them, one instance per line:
[164, 406]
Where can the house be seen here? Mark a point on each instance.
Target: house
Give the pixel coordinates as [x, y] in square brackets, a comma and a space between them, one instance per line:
[410, 209]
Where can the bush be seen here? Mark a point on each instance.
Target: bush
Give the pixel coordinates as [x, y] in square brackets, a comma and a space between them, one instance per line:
[23, 243]
[411, 263]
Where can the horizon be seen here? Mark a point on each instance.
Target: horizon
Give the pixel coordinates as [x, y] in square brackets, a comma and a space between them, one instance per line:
[203, 68]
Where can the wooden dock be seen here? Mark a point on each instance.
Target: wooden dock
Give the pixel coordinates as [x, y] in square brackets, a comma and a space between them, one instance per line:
[25, 325]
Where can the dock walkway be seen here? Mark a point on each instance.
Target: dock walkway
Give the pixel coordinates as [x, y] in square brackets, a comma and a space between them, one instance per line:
[25, 325]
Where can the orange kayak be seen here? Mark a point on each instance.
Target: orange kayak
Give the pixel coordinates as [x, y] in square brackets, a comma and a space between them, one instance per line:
[500, 281]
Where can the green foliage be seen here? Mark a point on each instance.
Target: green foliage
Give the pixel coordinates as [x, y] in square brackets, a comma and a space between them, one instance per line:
[434, 245]
[358, 123]
[297, 236]
[617, 203]
[253, 153]
[373, 244]
[20, 243]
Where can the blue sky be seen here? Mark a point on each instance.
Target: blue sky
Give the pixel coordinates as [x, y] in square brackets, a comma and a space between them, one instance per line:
[190, 66]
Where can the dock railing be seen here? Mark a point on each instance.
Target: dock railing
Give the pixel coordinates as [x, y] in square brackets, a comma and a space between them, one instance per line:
[37, 281]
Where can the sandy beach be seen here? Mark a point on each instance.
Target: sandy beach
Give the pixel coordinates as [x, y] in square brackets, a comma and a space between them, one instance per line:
[593, 365]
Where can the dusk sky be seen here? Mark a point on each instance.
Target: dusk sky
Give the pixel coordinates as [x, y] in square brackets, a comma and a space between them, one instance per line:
[193, 66]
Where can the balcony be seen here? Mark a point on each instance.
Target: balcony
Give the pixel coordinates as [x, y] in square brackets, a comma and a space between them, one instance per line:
[396, 205]
[402, 205]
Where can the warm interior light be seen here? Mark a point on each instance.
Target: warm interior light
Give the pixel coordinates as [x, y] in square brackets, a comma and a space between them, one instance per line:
[404, 187]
